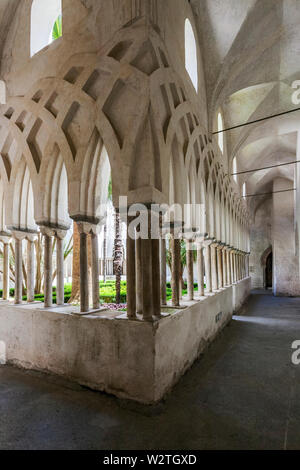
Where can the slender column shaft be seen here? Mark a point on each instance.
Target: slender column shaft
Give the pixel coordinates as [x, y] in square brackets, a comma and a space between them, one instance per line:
[155, 276]
[190, 270]
[18, 271]
[163, 271]
[200, 270]
[233, 268]
[214, 274]
[5, 271]
[224, 267]
[30, 271]
[84, 275]
[48, 270]
[207, 262]
[175, 253]
[60, 293]
[95, 271]
[220, 268]
[230, 267]
[131, 276]
[146, 256]
[139, 276]
[229, 279]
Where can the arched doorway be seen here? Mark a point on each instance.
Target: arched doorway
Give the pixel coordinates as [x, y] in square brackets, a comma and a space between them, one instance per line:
[267, 267]
[269, 271]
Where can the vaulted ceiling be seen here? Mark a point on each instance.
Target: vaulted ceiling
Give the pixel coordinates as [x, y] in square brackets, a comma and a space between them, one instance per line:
[251, 51]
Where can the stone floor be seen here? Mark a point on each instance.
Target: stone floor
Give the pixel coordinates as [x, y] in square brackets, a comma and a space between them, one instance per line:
[244, 393]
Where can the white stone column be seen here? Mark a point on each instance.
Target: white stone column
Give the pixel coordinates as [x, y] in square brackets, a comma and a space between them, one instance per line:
[163, 270]
[207, 263]
[231, 257]
[190, 269]
[175, 254]
[200, 269]
[30, 268]
[224, 261]
[214, 271]
[48, 266]
[18, 238]
[234, 266]
[131, 273]
[6, 241]
[95, 270]
[84, 230]
[228, 265]
[60, 261]
[220, 266]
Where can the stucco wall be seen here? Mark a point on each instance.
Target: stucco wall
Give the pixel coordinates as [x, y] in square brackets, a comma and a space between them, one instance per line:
[131, 359]
[260, 241]
[285, 260]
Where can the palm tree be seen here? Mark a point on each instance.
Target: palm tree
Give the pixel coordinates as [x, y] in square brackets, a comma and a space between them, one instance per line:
[182, 259]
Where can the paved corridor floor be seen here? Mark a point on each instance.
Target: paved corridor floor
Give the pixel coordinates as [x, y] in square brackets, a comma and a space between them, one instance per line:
[244, 393]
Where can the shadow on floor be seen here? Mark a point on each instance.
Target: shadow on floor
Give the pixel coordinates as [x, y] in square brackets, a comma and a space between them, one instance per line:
[243, 393]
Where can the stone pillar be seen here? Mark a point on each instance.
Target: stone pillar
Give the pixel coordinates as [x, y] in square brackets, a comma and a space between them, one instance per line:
[84, 230]
[5, 240]
[207, 263]
[148, 262]
[247, 264]
[95, 270]
[228, 266]
[131, 273]
[60, 288]
[214, 269]
[231, 266]
[48, 268]
[200, 269]
[224, 262]
[163, 271]
[220, 266]
[156, 279]
[139, 276]
[30, 269]
[175, 254]
[233, 254]
[18, 237]
[190, 269]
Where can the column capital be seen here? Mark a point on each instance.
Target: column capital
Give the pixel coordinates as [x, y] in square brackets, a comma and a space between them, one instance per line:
[88, 228]
[5, 237]
[19, 235]
[47, 231]
[208, 241]
[60, 234]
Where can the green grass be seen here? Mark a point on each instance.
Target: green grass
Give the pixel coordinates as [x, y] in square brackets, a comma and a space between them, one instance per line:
[107, 292]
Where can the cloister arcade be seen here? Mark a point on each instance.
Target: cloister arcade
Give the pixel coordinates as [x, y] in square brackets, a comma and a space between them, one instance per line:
[53, 141]
[153, 96]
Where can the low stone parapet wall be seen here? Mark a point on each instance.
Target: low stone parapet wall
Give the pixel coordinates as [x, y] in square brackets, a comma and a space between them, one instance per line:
[130, 359]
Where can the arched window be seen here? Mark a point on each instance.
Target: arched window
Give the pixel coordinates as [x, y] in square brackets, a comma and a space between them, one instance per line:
[191, 62]
[46, 23]
[234, 169]
[221, 134]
